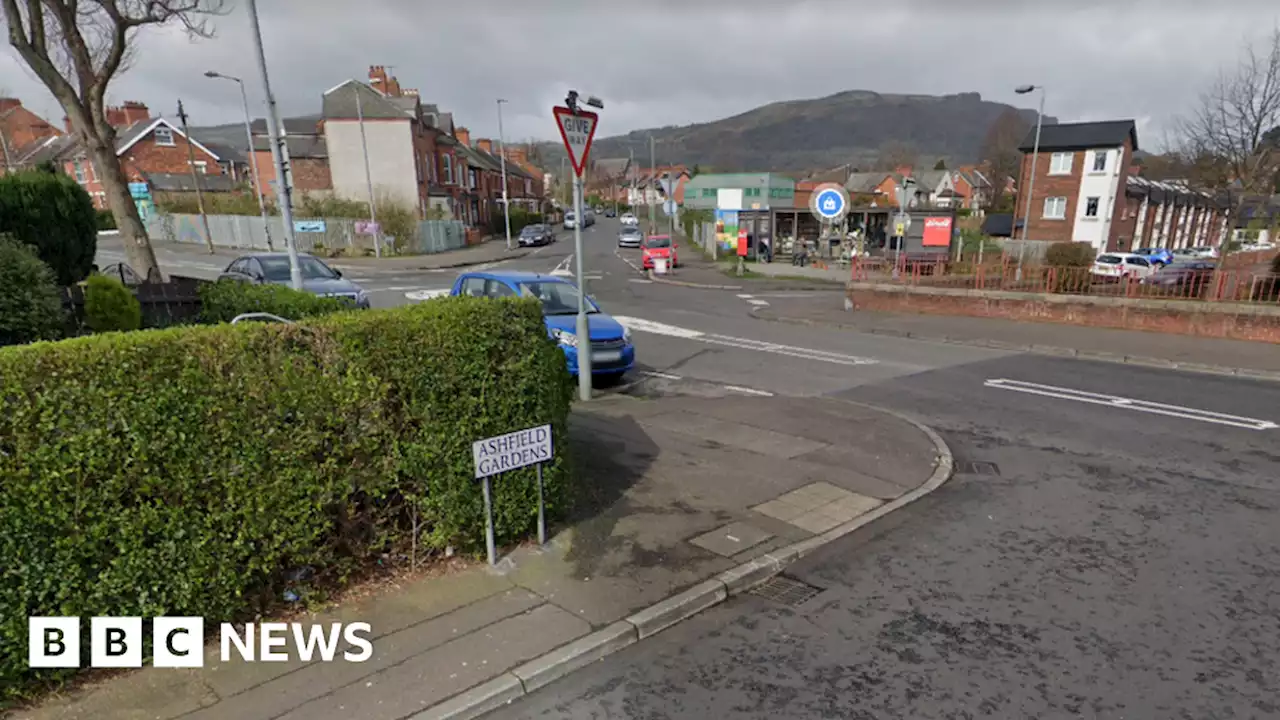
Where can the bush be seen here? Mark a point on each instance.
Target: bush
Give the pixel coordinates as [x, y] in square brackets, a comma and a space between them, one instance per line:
[53, 215]
[106, 220]
[244, 202]
[30, 305]
[110, 306]
[223, 301]
[398, 221]
[1070, 254]
[202, 464]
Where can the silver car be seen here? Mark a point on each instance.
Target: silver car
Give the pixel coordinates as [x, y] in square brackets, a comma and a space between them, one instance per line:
[630, 237]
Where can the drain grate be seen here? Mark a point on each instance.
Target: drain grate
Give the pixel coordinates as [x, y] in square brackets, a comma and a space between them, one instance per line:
[786, 590]
[978, 468]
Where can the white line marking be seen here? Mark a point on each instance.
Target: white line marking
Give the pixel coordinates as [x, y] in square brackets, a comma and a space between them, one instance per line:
[664, 376]
[398, 288]
[657, 328]
[748, 391]
[745, 297]
[425, 294]
[562, 268]
[642, 281]
[758, 303]
[1132, 404]
[732, 538]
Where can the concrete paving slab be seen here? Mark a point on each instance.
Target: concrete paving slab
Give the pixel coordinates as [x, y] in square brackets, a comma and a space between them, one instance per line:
[731, 539]
[735, 435]
[781, 509]
[815, 521]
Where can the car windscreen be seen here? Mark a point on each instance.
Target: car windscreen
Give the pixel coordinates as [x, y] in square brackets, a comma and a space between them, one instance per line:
[658, 242]
[557, 298]
[630, 231]
[276, 269]
[1109, 259]
[531, 230]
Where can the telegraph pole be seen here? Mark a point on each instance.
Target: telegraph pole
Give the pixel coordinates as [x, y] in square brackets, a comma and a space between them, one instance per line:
[195, 177]
[653, 178]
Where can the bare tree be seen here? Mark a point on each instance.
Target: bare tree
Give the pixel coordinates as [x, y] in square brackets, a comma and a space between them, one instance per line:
[76, 48]
[1000, 154]
[1224, 144]
[896, 154]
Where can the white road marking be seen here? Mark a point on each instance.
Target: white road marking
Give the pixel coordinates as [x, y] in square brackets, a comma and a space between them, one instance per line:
[657, 328]
[758, 303]
[1132, 404]
[426, 294]
[746, 297]
[748, 391]
[664, 376]
[642, 281]
[562, 269]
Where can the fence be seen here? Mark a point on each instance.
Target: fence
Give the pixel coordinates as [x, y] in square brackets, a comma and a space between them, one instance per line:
[248, 232]
[176, 302]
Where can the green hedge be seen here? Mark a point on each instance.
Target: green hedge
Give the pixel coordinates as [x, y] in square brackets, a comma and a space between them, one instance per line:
[109, 306]
[223, 301]
[186, 471]
[54, 215]
[30, 305]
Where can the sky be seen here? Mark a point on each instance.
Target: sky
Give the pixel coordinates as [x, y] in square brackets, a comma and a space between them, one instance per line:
[676, 62]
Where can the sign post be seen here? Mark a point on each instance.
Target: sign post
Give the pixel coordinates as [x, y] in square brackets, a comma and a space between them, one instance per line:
[504, 453]
[577, 128]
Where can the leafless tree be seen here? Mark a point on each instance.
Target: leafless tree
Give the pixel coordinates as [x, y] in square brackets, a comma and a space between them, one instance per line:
[1224, 143]
[1000, 154]
[896, 154]
[76, 48]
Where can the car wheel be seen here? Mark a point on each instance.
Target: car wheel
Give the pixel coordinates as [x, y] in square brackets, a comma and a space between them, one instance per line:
[609, 379]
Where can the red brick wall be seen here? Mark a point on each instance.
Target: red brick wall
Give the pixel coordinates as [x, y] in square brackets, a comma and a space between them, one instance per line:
[1126, 169]
[1219, 320]
[309, 174]
[1125, 224]
[146, 156]
[1047, 186]
[20, 126]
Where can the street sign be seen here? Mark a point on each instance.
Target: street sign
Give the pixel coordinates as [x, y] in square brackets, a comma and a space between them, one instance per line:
[576, 130]
[937, 231]
[309, 226]
[504, 453]
[367, 227]
[829, 201]
[140, 190]
[670, 208]
[899, 229]
[901, 224]
[667, 182]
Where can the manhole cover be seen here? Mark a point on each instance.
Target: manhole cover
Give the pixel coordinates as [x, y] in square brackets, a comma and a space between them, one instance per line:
[786, 590]
[978, 468]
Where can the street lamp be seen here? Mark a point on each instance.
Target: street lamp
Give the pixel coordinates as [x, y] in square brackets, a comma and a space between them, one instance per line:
[273, 131]
[253, 156]
[502, 154]
[368, 174]
[1031, 182]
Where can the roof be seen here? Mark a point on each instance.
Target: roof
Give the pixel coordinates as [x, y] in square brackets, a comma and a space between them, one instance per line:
[339, 103]
[305, 125]
[864, 182]
[184, 182]
[132, 134]
[300, 146]
[1082, 136]
[930, 178]
[612, 167]
[40, 151]
[228, 153]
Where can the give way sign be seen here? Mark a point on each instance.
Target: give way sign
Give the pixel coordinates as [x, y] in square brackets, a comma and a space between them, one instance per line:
[576, 129]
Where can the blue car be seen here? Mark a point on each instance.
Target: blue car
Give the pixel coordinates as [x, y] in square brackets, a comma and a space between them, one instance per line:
[1155, 255]
[612, 353]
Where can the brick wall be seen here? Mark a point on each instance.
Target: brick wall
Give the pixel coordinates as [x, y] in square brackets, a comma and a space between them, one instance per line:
[1125, 224]
[1260, 323]
[1047, 186]
[309, 174]
[1126, 169]
[145, 156]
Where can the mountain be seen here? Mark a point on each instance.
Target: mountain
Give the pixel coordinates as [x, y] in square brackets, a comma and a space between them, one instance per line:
[855, 126]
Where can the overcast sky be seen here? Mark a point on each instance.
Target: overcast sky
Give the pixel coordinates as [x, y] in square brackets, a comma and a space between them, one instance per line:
[663, 62]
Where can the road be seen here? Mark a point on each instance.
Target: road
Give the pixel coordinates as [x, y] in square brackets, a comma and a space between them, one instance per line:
[1103, 555]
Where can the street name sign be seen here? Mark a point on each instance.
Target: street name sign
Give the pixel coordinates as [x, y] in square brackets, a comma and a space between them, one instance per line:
[829, 201]
[577, 130]
[512, 451]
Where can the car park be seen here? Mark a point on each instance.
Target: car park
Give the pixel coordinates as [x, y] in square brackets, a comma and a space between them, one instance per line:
[317, 277]
[537, 234]
[1120, 266]
[658, 246]
[1160, 256]
[630, 237]
[612, 352]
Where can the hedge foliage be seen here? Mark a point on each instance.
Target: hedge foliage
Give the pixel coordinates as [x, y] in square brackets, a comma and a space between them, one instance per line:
[110, 306]
[54, 215]
[1070, 254]
[187, 471]
[30, 304]
[223, 301]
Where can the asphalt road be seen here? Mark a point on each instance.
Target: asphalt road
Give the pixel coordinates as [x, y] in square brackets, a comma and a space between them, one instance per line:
[1097, 557]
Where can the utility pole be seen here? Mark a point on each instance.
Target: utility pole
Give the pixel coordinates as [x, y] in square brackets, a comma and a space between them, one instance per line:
[631, 172]
[1031, 182]
[502, 154]
[195, 177]
[653, 178]
[273, 123]
[368, 176]
[253, 155]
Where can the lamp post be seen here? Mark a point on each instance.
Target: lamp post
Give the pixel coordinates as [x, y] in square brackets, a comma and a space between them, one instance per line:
[273, 125]
[653, 178]
[1031, 182]
[368, 175]
[502, 155]
[253, 156]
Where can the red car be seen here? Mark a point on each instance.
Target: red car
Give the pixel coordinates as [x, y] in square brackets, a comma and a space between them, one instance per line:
[657, 246]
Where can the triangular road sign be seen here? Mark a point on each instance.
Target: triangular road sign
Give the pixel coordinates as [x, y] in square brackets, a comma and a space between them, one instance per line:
[577, 130]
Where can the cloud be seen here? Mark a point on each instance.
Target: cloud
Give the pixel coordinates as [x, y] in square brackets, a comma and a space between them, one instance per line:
[665, 62]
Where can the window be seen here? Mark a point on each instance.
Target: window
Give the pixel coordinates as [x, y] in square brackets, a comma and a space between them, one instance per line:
[528, 186]
[1060, 164]
[471, 179]
[202, 167]
[1140, 262]
[473, 286]
[1091, 207]
[708, 192]
[163, 136]
[1100, 161]
[80, 176]
[495, 289]
[1055, 208]
[448, 169]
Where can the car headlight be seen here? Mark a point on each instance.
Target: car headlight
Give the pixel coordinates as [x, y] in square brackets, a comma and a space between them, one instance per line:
[626, 335]
[565, 338]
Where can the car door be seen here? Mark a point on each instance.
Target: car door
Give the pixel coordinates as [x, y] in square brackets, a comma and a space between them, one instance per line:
[1137, 267]
[469, 286]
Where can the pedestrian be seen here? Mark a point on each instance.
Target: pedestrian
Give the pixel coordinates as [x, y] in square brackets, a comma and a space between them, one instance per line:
[767, 248]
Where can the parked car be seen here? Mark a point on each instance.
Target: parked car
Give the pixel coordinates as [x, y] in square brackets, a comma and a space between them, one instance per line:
[630, 237]
[588, 217]
[1202, 251]
[1117, 266]
[629, 219]
[612, 353]
[537, 234]
[1182, 278]
[570, 220]
[610, 212]
[1163, 256]
[657, 246]
[317, 278]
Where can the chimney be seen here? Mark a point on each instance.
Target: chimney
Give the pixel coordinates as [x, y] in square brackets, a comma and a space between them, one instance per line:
[463, 135]
[378, 78]
[135, 111]
[485, 145]
[8, 103]
[410, 92]
[393, 87]
[115, 116]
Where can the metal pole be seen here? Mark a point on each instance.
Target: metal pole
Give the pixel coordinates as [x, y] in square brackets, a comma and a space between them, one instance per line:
[502, 154]
[489, 545]
[368, 176]
[653, 177]
[195, 178]
[542, 511]
[253, 157]
[273, 122]
[1031, 186]
[583, 328]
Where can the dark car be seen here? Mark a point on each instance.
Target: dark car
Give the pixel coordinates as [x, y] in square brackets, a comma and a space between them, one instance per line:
[1181, 278]
[610, 212]
[317, 278]
[537, 234]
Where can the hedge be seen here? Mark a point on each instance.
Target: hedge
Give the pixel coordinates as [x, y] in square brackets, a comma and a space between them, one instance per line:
[222, 301]
[188, 471]
[54, 215]
[30, 305]
[110, 306]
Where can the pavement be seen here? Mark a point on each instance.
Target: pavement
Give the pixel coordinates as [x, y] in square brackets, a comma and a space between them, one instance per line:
[679, 489]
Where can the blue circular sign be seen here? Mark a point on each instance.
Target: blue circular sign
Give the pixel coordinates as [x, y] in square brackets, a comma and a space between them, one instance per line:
[829, 204]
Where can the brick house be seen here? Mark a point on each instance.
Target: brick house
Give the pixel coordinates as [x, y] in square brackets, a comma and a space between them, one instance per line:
[308, 157]
[1169, 215]
[21, 131]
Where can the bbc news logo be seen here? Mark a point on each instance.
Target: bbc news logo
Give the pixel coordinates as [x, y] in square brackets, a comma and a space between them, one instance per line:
[178, 642]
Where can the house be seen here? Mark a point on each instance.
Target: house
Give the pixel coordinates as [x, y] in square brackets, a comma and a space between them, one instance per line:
[308, 156]
[610, 178]
[21, 131]
[646, 185]
[1167, 214]
[965, 187]
[371, 137]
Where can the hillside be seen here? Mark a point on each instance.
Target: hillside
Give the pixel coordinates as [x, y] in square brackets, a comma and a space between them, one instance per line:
[855, 126]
